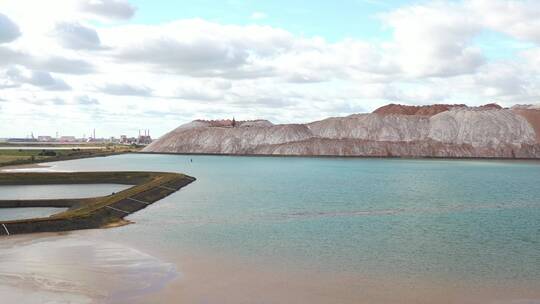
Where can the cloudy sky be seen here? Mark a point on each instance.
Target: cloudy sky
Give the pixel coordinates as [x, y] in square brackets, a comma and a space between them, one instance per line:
[119, 66]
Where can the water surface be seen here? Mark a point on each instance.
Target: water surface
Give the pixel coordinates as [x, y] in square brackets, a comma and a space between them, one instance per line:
[450, 223]
[8, 214]
[27, 192]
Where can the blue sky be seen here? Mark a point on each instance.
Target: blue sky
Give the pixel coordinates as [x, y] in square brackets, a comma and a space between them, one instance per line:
[333, 20]
[123, 65]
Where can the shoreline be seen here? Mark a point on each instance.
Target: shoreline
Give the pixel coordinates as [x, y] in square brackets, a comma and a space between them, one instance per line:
[213, 278]
[82, 268]
[61, 158]
[202, 276]
[345, 156]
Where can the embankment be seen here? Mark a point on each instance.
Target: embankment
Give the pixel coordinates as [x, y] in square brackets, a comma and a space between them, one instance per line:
[88, 213]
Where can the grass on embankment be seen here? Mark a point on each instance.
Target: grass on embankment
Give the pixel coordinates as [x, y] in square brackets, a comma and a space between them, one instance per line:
[152, 181]
[142, 181]
[65, 178]
[20, 156]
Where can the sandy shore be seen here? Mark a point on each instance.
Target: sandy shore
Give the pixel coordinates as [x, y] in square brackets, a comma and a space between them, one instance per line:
[77, 268]
[218, 279]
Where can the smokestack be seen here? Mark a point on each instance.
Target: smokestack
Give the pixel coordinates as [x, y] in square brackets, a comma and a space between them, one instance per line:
[94, 133]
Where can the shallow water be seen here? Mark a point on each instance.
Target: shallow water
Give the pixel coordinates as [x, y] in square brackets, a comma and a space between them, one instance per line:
[74, 269]
[27, 192]
[451, 223]
[8, 214]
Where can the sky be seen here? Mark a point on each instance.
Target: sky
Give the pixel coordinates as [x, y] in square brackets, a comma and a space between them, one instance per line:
[117, 66]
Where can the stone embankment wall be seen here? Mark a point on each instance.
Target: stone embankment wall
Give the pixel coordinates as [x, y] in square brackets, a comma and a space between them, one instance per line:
[90, 212]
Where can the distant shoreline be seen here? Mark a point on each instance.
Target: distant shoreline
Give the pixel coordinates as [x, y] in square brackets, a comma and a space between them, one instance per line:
[20, 163]
[346, 156]
[37, 163]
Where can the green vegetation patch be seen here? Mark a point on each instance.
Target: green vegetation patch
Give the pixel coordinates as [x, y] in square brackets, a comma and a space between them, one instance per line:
[19, 156]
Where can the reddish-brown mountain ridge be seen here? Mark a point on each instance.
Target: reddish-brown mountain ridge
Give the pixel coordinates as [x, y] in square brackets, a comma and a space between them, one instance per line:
[229, 122]
[441, 130]
[532, 116]
[428, 110]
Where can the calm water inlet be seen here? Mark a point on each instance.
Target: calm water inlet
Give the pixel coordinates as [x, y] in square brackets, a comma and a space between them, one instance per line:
[28, 192]
[8, 214]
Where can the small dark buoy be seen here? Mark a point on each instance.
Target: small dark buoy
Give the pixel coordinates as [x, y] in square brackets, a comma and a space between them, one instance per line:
[190, 160]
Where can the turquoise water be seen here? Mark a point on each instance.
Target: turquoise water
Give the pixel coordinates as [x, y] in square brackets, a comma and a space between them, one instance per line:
[472, 221]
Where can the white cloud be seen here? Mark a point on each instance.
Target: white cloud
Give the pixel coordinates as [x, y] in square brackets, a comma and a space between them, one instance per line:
[435, 39]
[53, 63]
[258, 16]
[520, 19]
[85, 100]
[123, 89]
[314, 60]
[195, 68]
[58, 64]
[9, 31]
[203, 90]
[39, 79]
[200, 48]
[46, 81]
[112, 9]
[76, 36]
[500, 80]
[532, 57]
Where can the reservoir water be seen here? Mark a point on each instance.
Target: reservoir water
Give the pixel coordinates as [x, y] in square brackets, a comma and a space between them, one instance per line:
[458, 229]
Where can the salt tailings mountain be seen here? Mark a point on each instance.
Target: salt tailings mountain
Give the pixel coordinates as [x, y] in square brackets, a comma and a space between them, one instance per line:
[390, 131]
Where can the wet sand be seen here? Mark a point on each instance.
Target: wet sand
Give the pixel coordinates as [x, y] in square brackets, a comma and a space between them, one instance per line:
[74, 268]
[90, 267]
